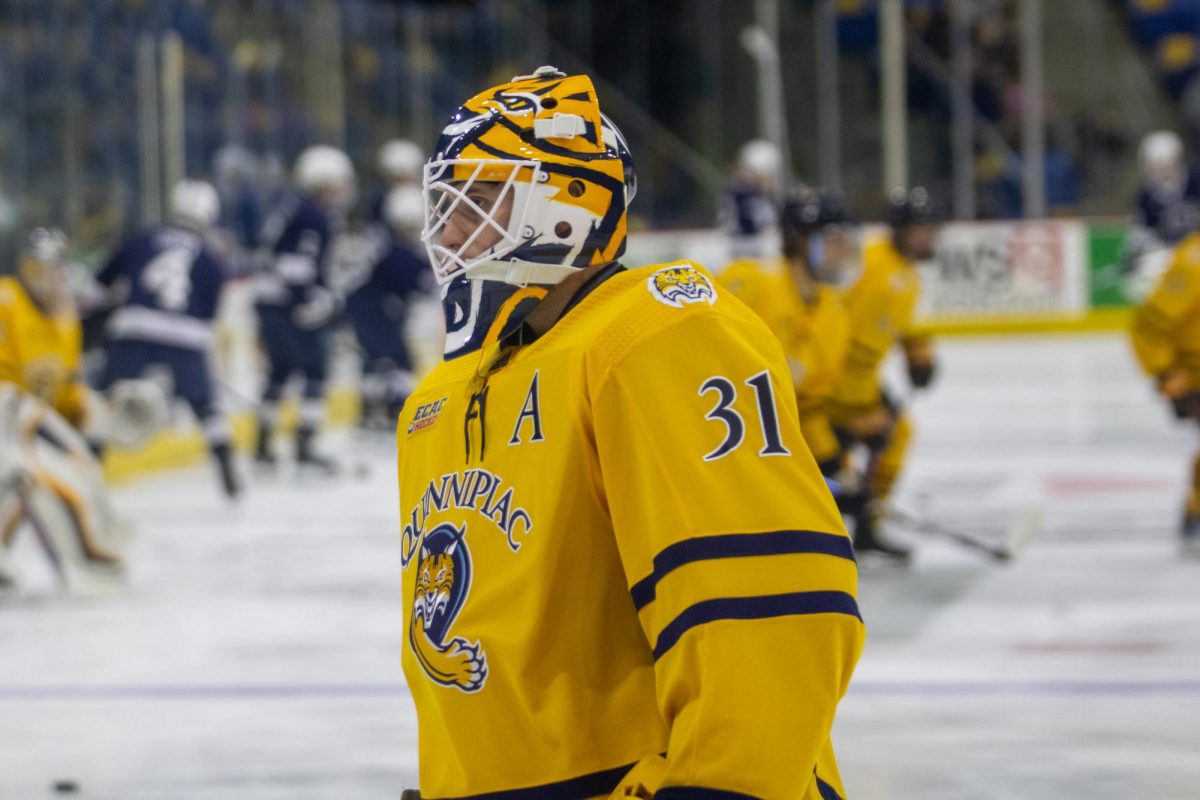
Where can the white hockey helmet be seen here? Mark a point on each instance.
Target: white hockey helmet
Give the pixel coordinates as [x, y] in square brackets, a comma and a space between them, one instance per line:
[761, 159]
[1161, 156]
[323, 167]
[194, 204]
[401, 160]
[404, 210]
[234, 164]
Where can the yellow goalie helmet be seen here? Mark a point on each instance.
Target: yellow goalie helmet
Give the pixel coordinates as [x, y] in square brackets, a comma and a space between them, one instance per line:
[528, 183]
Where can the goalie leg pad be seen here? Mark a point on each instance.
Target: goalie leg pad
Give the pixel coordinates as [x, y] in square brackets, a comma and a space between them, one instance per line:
[90, 527]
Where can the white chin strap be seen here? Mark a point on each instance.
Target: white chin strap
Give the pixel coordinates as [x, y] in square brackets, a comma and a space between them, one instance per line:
[519, 273]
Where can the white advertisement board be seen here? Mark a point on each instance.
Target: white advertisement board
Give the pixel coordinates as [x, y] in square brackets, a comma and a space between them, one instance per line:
[1005, 269]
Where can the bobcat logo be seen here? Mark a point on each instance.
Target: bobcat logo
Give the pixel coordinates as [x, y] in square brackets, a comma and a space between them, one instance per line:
[443, 581]
[678, 285]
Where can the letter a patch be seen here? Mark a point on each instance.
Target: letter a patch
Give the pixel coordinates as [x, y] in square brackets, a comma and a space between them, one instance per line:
[531, 410]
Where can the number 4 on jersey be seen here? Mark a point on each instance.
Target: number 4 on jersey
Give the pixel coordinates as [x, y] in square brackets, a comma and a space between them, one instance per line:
[735, 427]
[169, 278]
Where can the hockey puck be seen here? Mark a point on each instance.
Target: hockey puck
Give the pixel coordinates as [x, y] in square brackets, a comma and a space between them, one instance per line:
[66, 787]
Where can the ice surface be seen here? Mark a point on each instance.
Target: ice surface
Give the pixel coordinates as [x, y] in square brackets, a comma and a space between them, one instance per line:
[255, 652]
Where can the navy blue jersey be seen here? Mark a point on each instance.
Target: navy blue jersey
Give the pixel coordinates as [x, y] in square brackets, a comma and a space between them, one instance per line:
[1171, 216]
[240, 215]
[747, 210]
[377, 306]
[171, 284]
[296, 239]
[747, 214]
[168, 269]
[399, 269]
[375, 210]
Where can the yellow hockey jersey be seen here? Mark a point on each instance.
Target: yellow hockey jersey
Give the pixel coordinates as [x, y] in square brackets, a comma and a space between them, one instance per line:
[881, 305]
[41, 353]
[1166, 327]
[616, 546]
[815, 338]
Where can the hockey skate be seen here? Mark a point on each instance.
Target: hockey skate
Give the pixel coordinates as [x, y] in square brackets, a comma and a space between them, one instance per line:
[867, 539]
[231, 485]
[308, 459]
[264, 458]
[8, 578]
[1191, 535]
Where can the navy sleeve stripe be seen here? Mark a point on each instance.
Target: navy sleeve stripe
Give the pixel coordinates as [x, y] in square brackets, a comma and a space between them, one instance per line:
[581, 788]
[643, 592]
[827, 791]
[737, 545]
[699, 793]
[747, 608]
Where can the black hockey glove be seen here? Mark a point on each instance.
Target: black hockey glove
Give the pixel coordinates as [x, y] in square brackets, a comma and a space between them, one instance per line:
[1187, 406]
[921, 375]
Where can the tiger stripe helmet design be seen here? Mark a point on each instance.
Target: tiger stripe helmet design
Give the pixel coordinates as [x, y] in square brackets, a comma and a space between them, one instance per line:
[564, 176]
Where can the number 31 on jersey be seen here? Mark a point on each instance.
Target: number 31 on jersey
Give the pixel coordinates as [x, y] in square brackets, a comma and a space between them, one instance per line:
[735, 426]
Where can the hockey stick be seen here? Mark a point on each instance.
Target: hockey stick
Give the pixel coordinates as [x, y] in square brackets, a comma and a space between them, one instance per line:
[236, 395]
[1015, 542]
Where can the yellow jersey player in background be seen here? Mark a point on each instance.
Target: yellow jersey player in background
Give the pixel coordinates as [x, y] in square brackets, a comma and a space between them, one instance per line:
[881, 305]
[799, 297]
[1166, 341]
[623, 573]
[40, 337]
[48, 475]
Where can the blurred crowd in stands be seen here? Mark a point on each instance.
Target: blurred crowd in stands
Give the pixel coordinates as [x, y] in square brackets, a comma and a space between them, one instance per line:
[265, 78]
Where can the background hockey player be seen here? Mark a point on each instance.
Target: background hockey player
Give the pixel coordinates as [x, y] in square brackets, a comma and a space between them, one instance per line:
[581, 482]
[167, 282]
[799, 297]
[377, 306]
[236, 179]
[749, 210]
[48, 475]
[1166, 341]
[400, 164]
[296, 307]
[1166, 210]
[881, 305]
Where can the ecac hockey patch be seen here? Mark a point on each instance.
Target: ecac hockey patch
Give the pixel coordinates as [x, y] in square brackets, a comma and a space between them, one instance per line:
[681, 284]
[425, 417]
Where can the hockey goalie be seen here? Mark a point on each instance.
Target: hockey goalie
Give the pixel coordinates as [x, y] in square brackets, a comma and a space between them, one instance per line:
[50, 482]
